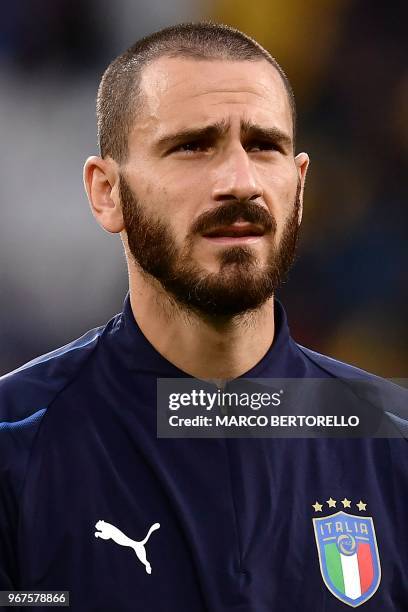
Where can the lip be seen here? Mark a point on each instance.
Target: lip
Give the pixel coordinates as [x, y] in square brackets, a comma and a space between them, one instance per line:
[238, 232]
[233, 240]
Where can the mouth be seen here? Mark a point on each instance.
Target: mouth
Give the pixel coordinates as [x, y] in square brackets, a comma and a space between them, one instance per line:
[240, 231]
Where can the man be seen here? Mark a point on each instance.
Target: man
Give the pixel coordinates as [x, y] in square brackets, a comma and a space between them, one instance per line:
[198, 174]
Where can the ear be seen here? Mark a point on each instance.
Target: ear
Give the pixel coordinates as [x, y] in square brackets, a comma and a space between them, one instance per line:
[302, 163]
[101, 180]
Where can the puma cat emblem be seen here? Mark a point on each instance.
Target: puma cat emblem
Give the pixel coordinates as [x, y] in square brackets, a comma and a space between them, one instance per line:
[110, 532]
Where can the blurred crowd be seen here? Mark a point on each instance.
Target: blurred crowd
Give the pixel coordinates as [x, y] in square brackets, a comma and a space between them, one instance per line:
[347, 61]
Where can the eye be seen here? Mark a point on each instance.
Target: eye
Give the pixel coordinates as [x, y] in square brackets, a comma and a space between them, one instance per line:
[262, 145]
[190, 147]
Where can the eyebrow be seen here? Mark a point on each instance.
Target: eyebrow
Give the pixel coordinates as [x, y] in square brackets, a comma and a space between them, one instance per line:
[216, 130]
[208, 132]
[254, 131]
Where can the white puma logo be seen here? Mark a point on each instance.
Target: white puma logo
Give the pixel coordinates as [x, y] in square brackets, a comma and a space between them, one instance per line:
[108, 531]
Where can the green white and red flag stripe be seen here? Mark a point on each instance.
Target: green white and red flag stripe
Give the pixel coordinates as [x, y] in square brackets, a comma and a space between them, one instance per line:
[352, 575]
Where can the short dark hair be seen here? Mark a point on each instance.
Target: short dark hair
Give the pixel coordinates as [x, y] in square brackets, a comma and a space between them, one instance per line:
[119, 89]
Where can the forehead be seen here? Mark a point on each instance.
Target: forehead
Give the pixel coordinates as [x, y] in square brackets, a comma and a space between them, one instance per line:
[177, 92]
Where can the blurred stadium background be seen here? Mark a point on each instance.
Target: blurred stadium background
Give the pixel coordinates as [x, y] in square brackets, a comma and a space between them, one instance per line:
[347, 60]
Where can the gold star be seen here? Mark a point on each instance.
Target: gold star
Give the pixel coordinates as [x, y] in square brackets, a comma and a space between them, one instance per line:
[332, 503]
[346, 503]
[361, 506]
[318, 507]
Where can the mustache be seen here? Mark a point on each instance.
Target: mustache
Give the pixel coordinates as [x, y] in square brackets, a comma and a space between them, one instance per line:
[229, 213]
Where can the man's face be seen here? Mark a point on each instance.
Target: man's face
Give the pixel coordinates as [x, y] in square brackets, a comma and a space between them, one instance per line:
[211, 190]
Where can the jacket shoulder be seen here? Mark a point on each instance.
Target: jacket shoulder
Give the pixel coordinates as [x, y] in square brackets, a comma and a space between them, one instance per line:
[25, 395]
[335, 367]
[380, 392]
[35, 384]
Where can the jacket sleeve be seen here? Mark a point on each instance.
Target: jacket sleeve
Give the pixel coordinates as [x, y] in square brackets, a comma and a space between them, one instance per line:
[16, 439]
[8, 526]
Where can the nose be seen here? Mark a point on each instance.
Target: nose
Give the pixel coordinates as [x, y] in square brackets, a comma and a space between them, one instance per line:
[236, 177]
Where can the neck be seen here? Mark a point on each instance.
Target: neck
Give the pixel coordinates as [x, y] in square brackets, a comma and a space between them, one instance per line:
[204, 347]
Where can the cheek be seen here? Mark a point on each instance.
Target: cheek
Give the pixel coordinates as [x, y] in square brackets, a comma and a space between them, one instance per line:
[180, 205]
[281, 198]
[280, 195]
[171, 206]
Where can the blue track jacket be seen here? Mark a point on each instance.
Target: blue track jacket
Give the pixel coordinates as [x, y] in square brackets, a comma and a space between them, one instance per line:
[93, 502]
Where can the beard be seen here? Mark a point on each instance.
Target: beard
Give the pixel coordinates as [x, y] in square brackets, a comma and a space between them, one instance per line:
[242, 284]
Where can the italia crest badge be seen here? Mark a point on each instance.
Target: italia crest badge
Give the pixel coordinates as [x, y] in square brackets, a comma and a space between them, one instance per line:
[348, 552]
